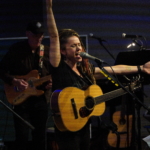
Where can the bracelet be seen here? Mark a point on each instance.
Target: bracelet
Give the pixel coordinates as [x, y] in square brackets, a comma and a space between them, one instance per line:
[139, 69]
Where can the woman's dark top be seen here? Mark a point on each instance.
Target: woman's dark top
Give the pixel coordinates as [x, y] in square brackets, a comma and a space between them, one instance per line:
[63, 76]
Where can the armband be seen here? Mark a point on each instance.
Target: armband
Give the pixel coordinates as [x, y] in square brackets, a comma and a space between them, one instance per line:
[139, 69]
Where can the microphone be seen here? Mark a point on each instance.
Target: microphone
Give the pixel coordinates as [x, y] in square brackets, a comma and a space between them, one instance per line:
[86, 55]
[124, 35]
[95, 37]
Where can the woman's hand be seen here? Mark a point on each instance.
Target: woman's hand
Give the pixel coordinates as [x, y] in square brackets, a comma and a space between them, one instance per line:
[48, 3]
[146, 67]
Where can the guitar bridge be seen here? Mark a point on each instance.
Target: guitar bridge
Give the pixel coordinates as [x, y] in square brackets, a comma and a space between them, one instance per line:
[74, 108]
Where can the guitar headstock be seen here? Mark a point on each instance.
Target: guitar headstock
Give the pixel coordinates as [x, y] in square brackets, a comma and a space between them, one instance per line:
[135, 86]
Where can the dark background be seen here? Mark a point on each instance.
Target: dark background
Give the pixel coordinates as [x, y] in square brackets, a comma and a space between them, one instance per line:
[107, 19]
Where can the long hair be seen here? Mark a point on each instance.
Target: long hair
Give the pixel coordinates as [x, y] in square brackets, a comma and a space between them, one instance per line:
[85, 66]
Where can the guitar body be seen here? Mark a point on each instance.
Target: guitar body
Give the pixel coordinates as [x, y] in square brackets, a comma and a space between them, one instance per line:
[125, 139]
[17, 97]
[67, 103]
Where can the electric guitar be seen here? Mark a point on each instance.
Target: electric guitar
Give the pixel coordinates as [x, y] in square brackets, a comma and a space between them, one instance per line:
[16, 97]
[72, 107]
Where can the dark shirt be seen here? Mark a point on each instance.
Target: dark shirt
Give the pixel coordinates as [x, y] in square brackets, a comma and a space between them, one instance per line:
[63, 76]
[20, 61]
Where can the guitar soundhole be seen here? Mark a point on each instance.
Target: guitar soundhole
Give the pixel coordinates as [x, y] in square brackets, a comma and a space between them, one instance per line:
[122, 121]
[88, 108]
[89, 102]
[84, 112]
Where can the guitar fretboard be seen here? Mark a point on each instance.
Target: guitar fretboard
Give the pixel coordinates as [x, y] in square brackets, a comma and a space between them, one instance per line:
[110, 95]
[41, 80]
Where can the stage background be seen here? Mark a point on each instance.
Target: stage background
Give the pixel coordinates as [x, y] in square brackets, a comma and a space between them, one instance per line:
[107, 19]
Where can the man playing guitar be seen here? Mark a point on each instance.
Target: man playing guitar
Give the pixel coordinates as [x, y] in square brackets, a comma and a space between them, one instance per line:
[23, 61]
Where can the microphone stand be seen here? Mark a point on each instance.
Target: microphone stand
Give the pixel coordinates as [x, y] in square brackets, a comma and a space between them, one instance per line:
[27, 123]
[137, 107]
[101, 43]
[141, 47]
[135, 98]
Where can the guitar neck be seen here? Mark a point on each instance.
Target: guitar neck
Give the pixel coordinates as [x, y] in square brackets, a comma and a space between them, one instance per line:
[110, 95]
[41, 80]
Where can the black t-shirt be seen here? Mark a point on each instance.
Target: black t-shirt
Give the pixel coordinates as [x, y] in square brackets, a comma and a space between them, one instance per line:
[63, 76]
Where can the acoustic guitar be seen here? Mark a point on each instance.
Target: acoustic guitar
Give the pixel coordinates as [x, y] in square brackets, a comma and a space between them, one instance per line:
[72, 107]
[15, 97]
[124, 125]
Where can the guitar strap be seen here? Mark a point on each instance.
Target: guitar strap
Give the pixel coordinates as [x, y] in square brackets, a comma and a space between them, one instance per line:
[41, 54]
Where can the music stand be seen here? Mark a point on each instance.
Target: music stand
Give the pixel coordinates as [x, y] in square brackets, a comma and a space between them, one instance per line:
[134, 58]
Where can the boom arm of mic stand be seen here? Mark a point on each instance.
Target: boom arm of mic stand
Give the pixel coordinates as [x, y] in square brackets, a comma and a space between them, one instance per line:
[117, 82]
[100, 41]
[27, 123]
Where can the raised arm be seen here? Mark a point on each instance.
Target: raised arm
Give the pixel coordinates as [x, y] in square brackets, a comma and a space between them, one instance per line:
[54, 52]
